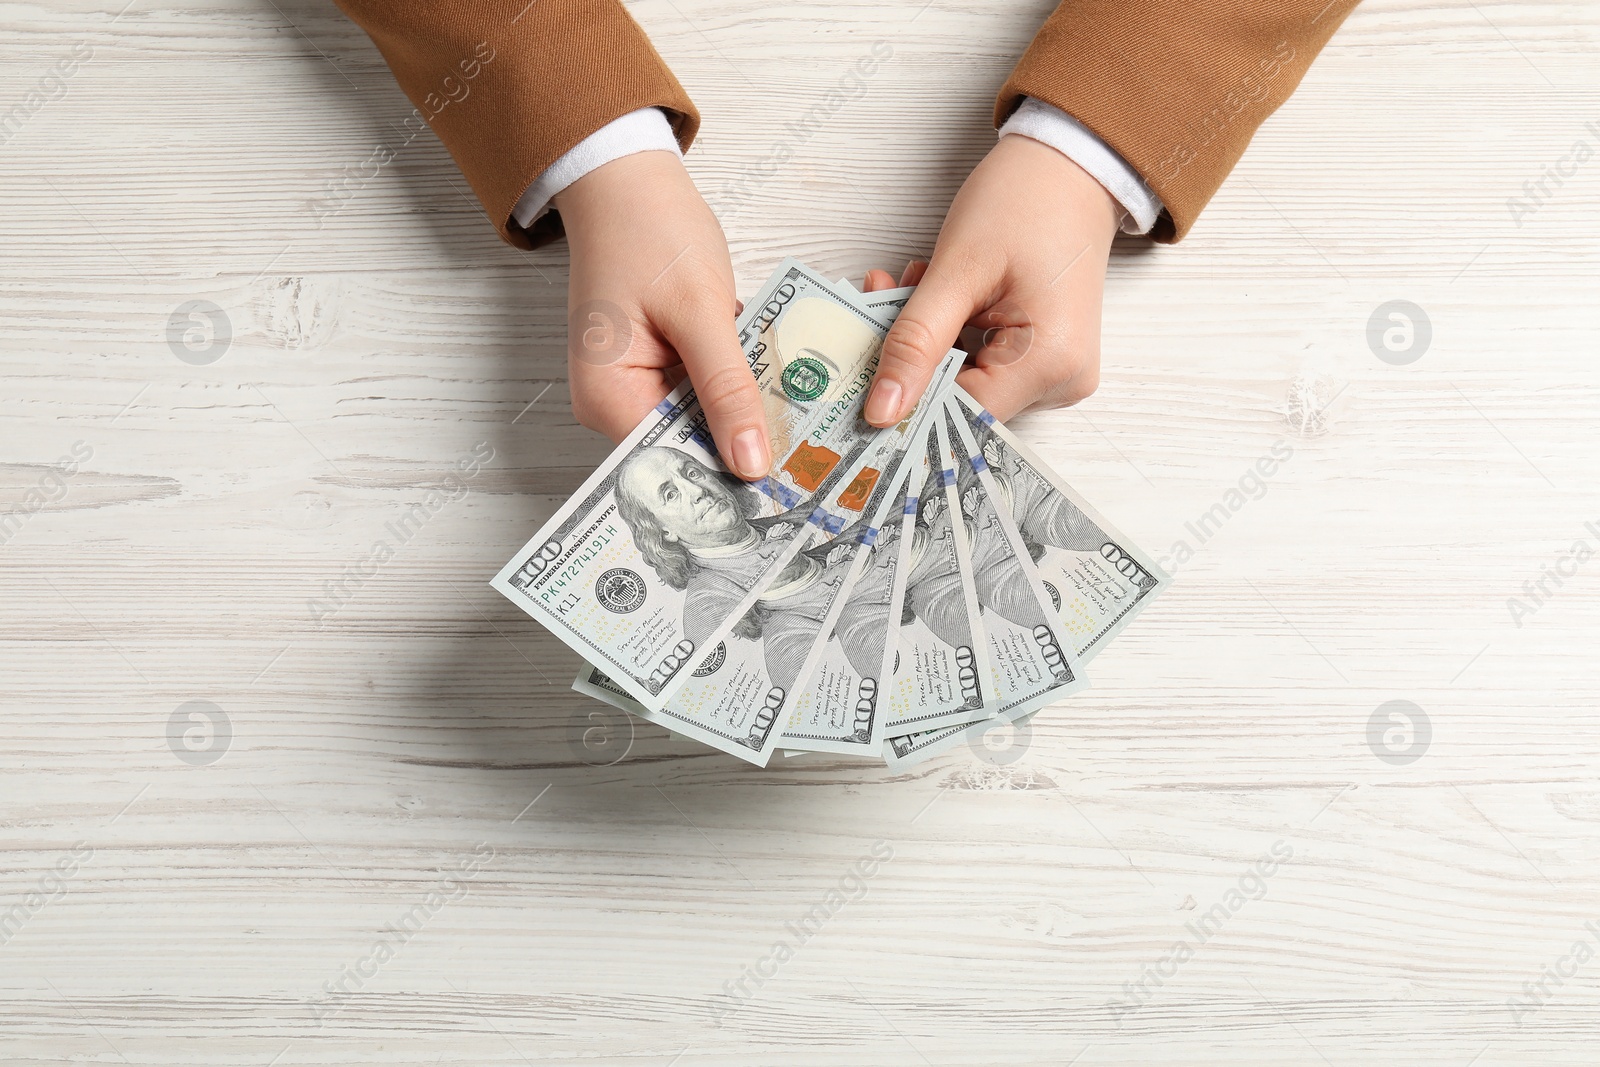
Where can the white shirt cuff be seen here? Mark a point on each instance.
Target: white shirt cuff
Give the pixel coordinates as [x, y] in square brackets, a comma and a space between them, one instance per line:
[645, 130]
[1054, 127]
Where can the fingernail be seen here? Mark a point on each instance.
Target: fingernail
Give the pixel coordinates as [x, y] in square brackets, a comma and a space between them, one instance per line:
[750, 453]
[883, 404]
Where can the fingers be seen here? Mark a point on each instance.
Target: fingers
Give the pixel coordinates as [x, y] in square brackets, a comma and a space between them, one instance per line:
[701, 330]
[919, 338]
[612, 400]
[613, 367]
[1010, 377]
[877, 280]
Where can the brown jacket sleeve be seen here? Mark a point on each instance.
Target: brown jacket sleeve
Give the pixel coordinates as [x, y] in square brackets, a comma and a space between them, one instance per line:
[1177, 87]
[510, 86]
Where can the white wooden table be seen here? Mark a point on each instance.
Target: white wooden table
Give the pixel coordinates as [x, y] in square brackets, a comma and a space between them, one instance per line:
[190, 898]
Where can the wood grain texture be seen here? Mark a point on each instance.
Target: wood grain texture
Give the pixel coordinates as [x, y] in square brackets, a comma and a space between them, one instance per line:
[380, 738]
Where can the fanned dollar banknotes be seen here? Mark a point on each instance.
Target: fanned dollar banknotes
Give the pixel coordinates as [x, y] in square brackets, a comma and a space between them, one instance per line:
[884, 593]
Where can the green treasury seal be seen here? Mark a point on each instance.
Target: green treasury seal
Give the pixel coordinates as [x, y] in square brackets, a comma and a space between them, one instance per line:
[804, 378]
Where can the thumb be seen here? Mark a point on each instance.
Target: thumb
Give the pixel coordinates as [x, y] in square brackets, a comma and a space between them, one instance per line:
[919, 338]
[705, 340]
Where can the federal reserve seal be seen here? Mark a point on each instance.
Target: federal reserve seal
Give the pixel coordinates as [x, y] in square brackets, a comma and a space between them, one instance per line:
[804, 378]
[620, 590]
[713, 662]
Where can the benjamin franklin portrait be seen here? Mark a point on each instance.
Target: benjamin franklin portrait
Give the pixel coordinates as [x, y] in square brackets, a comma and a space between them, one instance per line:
[701, 531]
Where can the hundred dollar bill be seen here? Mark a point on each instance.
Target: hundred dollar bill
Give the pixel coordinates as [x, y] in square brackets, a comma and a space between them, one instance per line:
[1096, 578]
[1029, 666]
[936, 736]
[660, 553]
[735, 698]
[941, 672]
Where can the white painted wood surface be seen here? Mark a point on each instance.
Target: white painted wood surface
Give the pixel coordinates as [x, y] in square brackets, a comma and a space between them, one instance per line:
[208, 905]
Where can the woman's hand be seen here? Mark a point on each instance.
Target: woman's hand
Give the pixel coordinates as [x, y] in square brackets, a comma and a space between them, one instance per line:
[652, 299]
[1022, 256]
